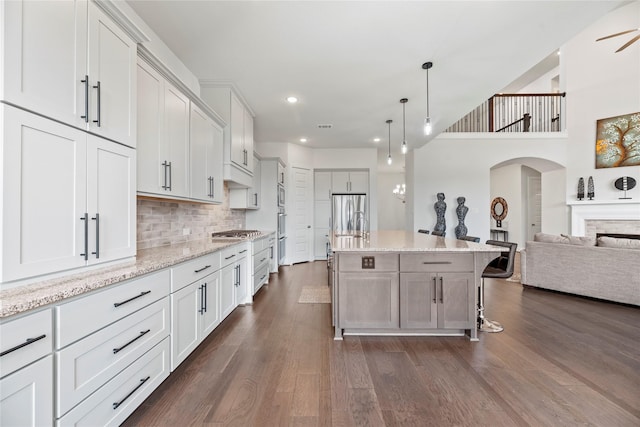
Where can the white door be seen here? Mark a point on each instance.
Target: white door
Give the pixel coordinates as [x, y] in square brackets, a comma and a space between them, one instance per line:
[210, 310]
[200, 149]
[302, 215]
[176, 132]
[26, 397]
[228, 280]
[185, 306]
[534, 214]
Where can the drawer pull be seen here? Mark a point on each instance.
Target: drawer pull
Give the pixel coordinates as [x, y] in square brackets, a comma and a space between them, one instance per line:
[202, 269]
[230, 256]
[262, 260]
[143, 333]
[118, 304]
[142, 381]
[263, 276]
[24, 344]
[243, 251]
[436, 262]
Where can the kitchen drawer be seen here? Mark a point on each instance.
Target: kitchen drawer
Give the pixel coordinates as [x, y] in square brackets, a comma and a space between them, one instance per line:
[259, 245]
[116, 400]
[190, 271]
[436, 262]
[261, 259]
[260, 277]
[87, 314]
[86, 365]
[354, 262]
[25, 340]
[233, 253]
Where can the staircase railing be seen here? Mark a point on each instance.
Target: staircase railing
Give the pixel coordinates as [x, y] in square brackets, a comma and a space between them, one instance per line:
[521, 112]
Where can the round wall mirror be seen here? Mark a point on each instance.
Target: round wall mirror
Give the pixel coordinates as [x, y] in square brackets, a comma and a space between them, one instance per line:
[499, 210]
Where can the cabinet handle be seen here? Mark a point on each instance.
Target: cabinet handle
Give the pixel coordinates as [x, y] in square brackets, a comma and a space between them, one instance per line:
[164, 178]
[255, 199]
[85, 218]
[170, 175]
[142, 381]
[204, 300]
[238, 276]
[86, 99]
[271, 252]
[441, 290]
[202, 269]
[201, 289]
[243, 251]
[97, 220]
[143, 333]
[435, 291]
[230, 256]
[97, 86]
[436, 262]
[143, 293]
[262, 260]
[24, 344]
[263, 276]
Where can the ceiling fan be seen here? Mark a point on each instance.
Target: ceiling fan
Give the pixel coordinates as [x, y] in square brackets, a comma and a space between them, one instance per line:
[627, 44]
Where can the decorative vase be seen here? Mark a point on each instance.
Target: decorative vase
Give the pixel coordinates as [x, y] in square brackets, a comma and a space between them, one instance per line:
[590, 191]
[580, 188]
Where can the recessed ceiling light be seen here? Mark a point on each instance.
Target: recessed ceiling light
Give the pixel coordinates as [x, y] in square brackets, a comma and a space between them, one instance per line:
[376, 139]
[292, 99]
[303, 139]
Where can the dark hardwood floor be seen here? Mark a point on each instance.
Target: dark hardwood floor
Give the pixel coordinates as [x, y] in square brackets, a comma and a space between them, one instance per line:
[561, 361]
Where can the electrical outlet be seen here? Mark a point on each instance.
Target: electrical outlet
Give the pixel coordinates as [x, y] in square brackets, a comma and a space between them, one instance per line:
[368, 262]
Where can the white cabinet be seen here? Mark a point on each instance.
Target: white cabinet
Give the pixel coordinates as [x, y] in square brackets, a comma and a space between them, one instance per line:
[350, 182]
[71, 62]
[322, 185]
[163, 136]
[26, 396]
[74, 188]
[248, 198]
[234, 280]
[206, 140]
[238, 134]
[262, 255]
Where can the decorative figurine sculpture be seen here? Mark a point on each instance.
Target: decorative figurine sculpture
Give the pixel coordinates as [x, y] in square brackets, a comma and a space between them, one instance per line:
[590, 190]
[440, 206]
[625, 183]
[461, 212]
[580, 189]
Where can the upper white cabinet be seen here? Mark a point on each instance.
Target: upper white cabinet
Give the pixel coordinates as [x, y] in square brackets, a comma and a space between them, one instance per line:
[206, 157]
[350, 182]
[238, 134]
[248, 198]
[69, 61]
[68, 197]
[163, 136]
[322, 185]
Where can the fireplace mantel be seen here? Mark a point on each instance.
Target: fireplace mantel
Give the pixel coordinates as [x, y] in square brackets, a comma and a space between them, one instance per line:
[621, 209]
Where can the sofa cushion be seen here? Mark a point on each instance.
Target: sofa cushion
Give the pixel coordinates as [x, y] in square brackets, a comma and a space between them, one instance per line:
[564, 239]
[613, 242]
[580, 240]
[548, 238]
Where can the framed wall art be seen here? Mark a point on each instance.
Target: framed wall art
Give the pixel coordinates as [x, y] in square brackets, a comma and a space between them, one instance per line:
[618, 141]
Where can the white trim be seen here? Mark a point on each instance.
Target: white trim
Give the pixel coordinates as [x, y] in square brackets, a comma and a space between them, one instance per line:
[602, 210]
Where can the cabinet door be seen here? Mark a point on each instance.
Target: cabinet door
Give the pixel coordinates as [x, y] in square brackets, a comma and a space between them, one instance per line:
[456, 293]
[228, 277]
[112, 75]
[176, 133]
[418, 303]
[322, 186]
[359, 182]
[321, 242]
[368, 300]
[205, 148]
[44, 195]
[340, 182]
[26, 396]
[151, 143]
[209, 309]
[244, 281]
[111, 183]
[185, 305]
[45, 57]
[248, 139]
[253, 193]
[237, 132]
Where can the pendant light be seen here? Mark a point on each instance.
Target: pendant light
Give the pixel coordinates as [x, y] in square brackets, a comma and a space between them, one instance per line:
[427, 119]
[389, 161]
[403, 101]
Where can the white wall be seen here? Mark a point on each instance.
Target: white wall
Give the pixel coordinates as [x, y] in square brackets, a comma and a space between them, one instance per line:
[391, 210]
[555, 213]
[506, 182]
[599, 84]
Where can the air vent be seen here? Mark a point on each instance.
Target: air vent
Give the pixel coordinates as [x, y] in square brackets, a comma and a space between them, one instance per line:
[325, 126]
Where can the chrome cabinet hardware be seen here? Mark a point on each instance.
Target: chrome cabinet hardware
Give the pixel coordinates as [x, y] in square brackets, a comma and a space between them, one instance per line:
[97, 220]
[97, 86]
[86, 99]
[85, 218]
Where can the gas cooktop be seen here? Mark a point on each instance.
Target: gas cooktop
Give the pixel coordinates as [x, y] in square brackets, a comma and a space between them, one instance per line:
[235, 234]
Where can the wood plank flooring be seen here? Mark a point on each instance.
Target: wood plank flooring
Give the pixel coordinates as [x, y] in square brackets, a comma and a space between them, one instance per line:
[561, 361]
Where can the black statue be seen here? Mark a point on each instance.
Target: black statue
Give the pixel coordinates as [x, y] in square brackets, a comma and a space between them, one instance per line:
[580, 188]
[461, 212]
[590, 189]
[440, 206]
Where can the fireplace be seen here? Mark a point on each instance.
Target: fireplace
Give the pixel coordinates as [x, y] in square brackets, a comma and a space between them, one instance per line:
[588, 218]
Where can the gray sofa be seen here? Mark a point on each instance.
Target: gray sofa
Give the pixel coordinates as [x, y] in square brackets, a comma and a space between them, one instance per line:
[606, 273]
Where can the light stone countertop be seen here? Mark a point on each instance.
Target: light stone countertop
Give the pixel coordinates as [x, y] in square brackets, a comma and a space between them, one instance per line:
[31, 296]
[405, 241]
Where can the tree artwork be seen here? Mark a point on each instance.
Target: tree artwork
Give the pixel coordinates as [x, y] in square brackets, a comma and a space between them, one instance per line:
[618, 141]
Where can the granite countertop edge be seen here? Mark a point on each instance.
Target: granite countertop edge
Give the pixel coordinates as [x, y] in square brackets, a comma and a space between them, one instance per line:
[39, 294]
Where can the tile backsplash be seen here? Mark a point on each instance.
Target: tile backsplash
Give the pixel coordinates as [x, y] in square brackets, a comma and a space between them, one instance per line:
[163, 222]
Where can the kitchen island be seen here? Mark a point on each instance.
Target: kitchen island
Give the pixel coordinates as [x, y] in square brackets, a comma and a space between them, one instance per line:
[402, 283]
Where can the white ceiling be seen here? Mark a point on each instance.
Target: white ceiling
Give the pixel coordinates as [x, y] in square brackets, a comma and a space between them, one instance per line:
[350, 62]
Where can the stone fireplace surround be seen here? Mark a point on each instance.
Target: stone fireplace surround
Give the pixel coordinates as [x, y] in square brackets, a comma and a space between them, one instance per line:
[606, 216]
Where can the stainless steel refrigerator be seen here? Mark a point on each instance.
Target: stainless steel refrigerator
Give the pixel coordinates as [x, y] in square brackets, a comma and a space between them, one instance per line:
[349, 214]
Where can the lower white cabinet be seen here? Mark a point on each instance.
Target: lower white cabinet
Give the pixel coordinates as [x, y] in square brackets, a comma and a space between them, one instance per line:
[26, 396]
[117, 399]
[262, 257]
[234, 280]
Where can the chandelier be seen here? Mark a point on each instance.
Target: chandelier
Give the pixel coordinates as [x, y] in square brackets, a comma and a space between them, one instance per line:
[399, 191]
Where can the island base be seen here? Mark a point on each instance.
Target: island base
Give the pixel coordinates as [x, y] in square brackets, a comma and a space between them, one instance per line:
[472, 334]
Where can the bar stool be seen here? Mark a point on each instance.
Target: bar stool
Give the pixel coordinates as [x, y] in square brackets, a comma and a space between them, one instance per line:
[470, 239]
[499, 268]
[438, 233]
[423, 231]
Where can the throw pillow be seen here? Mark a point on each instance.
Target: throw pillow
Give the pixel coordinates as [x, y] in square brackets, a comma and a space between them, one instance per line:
[579, 240]
[612, 242]
[549, 238]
